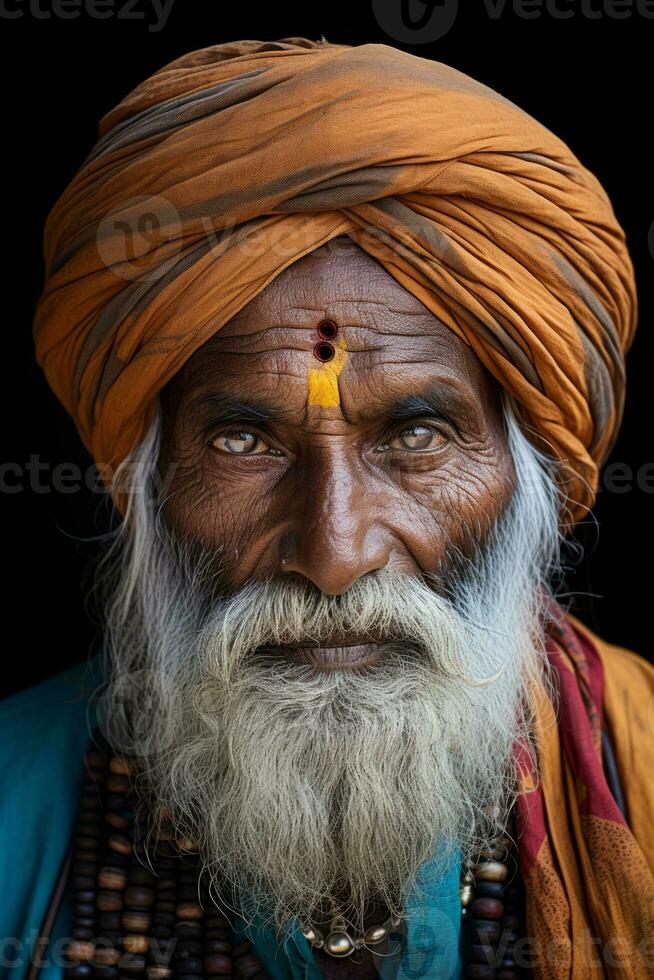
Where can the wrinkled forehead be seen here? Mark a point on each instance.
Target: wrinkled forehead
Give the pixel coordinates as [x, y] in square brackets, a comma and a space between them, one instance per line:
[390, 337]
[342, 281]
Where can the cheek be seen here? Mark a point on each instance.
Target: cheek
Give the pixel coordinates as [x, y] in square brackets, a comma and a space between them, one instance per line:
[221, 509]
[453, 506]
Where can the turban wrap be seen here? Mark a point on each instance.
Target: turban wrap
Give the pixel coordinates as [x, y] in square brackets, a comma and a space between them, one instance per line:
[232, 162]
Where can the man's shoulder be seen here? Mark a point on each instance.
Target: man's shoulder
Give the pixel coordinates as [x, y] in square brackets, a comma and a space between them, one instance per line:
[622, 667]
[44, 732]
[38, 714]
[628, 713]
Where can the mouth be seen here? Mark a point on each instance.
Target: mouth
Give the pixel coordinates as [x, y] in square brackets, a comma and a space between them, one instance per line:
[336, 654]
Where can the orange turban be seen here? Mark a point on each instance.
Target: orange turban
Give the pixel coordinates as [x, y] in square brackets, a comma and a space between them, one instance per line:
[233, 162]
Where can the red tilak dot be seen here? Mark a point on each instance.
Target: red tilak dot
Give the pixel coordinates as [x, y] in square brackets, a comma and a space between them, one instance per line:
[323, 351]
[327, 329]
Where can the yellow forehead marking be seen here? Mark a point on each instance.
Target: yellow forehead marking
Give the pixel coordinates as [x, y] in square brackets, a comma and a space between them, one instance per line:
[323, 380]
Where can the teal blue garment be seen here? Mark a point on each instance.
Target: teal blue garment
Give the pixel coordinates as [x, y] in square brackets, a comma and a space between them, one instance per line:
[44, 733]
[429, 945]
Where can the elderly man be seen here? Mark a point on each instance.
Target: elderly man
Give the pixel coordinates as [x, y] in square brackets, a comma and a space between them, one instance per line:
[345, 332]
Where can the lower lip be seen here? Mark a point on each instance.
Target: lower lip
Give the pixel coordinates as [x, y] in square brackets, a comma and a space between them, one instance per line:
[331, 658]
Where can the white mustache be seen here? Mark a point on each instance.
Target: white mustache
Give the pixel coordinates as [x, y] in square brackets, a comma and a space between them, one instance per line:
[398, 610]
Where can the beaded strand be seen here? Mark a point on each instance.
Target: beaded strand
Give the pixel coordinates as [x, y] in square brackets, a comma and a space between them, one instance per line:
[493, 913]
[132, 920]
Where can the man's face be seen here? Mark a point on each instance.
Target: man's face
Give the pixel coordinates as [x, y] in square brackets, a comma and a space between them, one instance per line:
[409, 469]
[345, 510]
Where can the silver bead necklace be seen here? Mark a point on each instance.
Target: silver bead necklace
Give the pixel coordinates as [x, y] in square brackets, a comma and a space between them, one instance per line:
[338, 941]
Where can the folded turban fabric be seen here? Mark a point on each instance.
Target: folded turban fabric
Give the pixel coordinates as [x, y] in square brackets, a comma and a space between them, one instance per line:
[231, 163]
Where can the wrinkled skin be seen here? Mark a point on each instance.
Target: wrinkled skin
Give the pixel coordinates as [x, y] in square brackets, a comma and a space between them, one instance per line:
[330, 494]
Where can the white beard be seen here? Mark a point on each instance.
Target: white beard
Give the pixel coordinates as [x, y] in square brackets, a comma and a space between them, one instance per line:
[309, 789]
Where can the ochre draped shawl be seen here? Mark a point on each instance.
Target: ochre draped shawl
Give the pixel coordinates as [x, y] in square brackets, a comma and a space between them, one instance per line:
[232, 162]
[588, 871]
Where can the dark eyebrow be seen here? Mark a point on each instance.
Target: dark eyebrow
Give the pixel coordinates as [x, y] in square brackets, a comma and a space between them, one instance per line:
[217, 408]
[221, 407]
[437, 400]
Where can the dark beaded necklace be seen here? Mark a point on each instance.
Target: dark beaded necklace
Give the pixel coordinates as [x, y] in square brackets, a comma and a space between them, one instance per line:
[133, 920]
[492, 900]
[158, 921]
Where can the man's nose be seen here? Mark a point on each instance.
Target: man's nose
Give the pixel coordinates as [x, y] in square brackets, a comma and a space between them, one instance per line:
[334, 536]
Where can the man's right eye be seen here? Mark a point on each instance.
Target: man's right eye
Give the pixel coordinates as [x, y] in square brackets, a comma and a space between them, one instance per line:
[241, 442]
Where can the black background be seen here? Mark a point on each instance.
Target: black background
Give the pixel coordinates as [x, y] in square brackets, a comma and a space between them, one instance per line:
[586, 77]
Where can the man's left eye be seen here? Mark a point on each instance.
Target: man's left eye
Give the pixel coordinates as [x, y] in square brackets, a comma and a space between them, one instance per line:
[418, 438]
[240, 443]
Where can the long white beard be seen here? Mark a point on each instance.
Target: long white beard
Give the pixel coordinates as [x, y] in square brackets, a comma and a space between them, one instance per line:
[309, 787]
